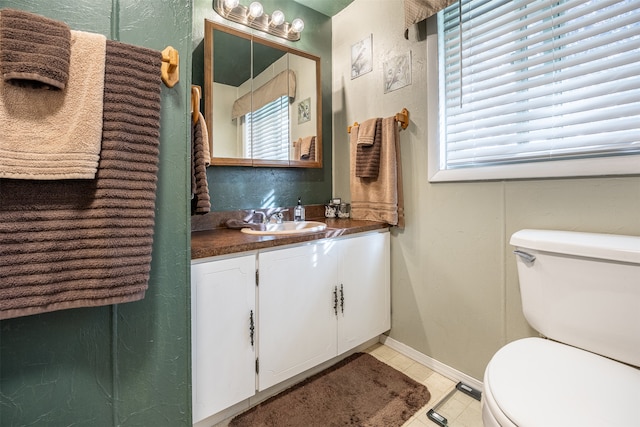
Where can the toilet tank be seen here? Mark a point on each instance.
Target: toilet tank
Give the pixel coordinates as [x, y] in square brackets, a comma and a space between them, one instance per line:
[582, 289]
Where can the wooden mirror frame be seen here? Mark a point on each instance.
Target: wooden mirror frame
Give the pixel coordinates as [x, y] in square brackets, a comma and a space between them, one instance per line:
[209, 27]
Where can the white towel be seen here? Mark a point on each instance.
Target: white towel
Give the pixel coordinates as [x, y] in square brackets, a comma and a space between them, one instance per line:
[49, 134]
[205, 138]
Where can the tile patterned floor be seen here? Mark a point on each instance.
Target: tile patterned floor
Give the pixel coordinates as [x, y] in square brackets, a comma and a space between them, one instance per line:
[460, 410]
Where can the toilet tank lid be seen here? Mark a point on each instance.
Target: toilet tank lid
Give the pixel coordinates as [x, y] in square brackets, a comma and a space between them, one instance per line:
[592, 245]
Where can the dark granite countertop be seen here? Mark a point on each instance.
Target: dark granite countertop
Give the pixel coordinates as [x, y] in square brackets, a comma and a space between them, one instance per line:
[222, 241]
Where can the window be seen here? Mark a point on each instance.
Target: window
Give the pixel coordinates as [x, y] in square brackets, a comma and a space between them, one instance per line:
[268, 131]
[537, 88]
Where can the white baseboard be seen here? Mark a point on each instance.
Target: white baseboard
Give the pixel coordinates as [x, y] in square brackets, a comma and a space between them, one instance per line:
[431, 363]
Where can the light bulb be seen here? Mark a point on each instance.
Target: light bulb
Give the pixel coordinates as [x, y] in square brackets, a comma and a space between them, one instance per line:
[255, 10]
[277, 18]
[230, 4]
[297, 25]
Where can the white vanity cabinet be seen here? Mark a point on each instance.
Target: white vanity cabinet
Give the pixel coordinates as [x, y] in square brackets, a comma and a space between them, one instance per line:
[363, 289]
[319, 300]
[223, 317]
[296, 318]
[281, 312]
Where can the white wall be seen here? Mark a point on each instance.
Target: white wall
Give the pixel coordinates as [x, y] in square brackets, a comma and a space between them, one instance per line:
[228, 135]
[306, 78]
[455, 292]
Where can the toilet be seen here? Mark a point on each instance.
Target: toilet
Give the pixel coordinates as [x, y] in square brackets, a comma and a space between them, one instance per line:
[581, 292]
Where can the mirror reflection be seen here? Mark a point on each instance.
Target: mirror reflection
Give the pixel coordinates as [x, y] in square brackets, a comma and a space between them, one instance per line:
[262, 101]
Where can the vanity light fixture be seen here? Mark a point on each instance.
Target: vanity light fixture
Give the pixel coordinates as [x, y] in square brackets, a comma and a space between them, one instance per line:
[253, 16]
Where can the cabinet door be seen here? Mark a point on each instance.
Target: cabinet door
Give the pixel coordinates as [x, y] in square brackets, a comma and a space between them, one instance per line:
[223, 365]
[297, 324]
[364, 286]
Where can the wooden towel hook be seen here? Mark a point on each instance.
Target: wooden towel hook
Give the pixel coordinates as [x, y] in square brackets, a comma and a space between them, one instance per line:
[354, 125]
[403, 118]
[170, 68]
[195, 103]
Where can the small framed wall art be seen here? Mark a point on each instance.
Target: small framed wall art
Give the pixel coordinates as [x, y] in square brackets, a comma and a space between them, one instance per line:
[397, 72]
[362, 57]
[304, 110]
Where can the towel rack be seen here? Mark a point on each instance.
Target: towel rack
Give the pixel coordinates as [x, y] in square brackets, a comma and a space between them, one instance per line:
[196, 95]
[170, 68]
[402, 117]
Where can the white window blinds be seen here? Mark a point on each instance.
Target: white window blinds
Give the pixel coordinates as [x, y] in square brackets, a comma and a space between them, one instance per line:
[268, 130]
[537, 80]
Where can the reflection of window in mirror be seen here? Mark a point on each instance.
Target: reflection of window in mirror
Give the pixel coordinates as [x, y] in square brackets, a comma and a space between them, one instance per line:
[269, 130]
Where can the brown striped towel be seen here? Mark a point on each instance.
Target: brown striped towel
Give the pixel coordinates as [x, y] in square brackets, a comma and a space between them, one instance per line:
[80, 243]
[307, 148]
[201, 201]
[312, 150]
[369, 143]
[34, 51]
[304, 148]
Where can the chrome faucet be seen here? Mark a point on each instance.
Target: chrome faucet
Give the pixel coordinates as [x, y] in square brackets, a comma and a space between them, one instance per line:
[276, 217]
[264, 216]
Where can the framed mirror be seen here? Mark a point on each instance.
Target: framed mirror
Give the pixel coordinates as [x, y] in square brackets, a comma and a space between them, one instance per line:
[262, 101]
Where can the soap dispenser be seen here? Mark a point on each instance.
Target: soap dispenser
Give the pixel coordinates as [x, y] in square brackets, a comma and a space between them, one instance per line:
[298, 211]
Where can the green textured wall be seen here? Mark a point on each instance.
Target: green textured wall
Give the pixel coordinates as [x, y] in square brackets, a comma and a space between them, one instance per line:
[124, 365]
[233, 188]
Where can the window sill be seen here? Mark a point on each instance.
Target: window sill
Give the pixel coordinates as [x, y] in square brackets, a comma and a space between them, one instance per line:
[602, 166]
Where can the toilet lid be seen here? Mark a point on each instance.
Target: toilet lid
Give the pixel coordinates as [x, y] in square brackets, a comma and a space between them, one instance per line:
[538, 382]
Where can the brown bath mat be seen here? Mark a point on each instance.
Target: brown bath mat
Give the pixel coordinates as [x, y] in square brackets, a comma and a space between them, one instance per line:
[358, 391]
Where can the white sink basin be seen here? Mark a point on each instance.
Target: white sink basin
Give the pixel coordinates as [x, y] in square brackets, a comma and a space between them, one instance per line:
[289, 227]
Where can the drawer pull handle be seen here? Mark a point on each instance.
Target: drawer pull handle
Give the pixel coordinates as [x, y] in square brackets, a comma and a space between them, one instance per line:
[252, 327]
